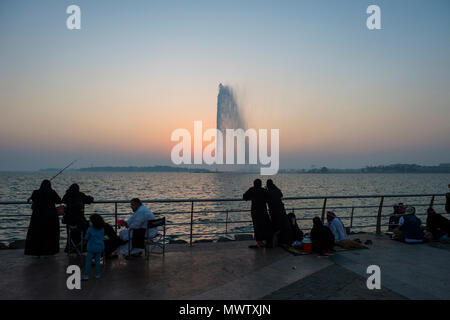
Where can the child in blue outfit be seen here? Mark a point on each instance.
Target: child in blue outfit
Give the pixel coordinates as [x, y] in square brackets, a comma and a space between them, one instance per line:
[95, 244]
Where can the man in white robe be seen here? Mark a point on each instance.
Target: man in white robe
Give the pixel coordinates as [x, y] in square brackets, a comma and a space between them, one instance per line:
[139, 220]
[336, 226]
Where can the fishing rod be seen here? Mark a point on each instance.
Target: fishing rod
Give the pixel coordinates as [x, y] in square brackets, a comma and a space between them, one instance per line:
[62, 170]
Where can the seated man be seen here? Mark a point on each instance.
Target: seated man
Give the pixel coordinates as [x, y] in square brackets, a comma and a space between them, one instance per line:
[336, 226]
[139, 220]
[410, 226]
[340, 235]
[399, 211]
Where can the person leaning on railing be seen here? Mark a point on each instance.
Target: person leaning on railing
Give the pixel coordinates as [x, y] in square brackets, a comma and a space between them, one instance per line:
[75, 201]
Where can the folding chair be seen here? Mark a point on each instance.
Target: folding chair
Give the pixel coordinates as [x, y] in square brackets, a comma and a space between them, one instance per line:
[136, 239]
[77, 247]
[159, 239]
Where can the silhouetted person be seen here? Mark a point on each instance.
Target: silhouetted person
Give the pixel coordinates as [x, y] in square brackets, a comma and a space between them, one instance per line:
[437, 224]
[43, 231]
[410, 226]
[280, 221]
[74, 216]
[262, 226]
[447, 201]
[322, 238]
[112, 240]
[298, 234]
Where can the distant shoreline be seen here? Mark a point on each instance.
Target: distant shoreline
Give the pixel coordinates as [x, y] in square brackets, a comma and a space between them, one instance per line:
[394, 169]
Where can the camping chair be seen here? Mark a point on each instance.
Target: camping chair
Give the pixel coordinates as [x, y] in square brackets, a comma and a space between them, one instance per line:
[137, 240]
[77, 247]
[159, 239]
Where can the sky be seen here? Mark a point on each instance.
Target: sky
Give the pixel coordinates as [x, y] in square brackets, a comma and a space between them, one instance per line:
[111, 94]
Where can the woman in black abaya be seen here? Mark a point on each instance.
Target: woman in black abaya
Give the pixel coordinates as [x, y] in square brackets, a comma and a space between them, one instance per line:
[280, 220]
[74, 216]
[43, 231]
[262, 225]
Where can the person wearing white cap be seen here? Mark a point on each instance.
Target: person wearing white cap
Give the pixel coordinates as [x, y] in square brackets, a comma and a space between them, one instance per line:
[410, 226]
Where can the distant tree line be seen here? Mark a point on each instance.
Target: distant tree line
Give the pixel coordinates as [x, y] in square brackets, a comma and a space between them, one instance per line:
[393, 168]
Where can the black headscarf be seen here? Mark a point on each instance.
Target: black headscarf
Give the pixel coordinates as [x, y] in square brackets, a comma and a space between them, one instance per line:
[46, 186]
[74, 188]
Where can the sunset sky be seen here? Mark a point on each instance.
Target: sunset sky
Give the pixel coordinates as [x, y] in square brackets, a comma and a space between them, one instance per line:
[111, 93]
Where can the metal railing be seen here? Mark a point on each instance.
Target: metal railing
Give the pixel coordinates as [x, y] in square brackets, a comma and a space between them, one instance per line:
[193, 221]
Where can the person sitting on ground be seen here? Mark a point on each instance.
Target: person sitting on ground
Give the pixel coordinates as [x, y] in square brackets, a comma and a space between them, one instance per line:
[410, 227]
[74, 215]
[322, 238]
[95, 245]
[298, 234]
[340, 235]
[336, 226]
[399, 211]
[262, 226]
[437, 225]
[112, 241]
[138, 221]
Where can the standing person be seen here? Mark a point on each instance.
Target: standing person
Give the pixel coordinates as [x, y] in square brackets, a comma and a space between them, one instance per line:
[95, 244]
[262, 225]
[322, 238]
[280, 221]
[43, 231]
[74, 216]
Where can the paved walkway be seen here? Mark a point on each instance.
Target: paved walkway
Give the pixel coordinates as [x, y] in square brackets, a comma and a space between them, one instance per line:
[415, 271]
[231, 270]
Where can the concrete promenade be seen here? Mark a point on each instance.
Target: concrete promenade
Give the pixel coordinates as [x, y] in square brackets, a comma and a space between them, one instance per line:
[230, 270]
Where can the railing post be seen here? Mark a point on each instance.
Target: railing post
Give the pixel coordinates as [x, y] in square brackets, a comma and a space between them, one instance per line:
[192, 221]
[432, 202]
[226, 224]
[115, 215]
[380, 209]
[324, 208]
[351, 217]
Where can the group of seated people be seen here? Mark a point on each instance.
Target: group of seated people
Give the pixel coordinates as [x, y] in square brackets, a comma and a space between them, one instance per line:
[114, 243]
[324, 236]
[272, 226]
[407, 227]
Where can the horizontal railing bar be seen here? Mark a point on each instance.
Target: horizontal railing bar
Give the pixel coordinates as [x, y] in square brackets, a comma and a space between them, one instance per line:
[240, 199]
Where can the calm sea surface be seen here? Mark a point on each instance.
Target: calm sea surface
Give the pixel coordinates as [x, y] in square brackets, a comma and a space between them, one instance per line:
[123, 186]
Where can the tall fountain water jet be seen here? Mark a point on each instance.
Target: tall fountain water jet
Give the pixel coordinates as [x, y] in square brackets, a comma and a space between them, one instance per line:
[229, 116]
[228, 113]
